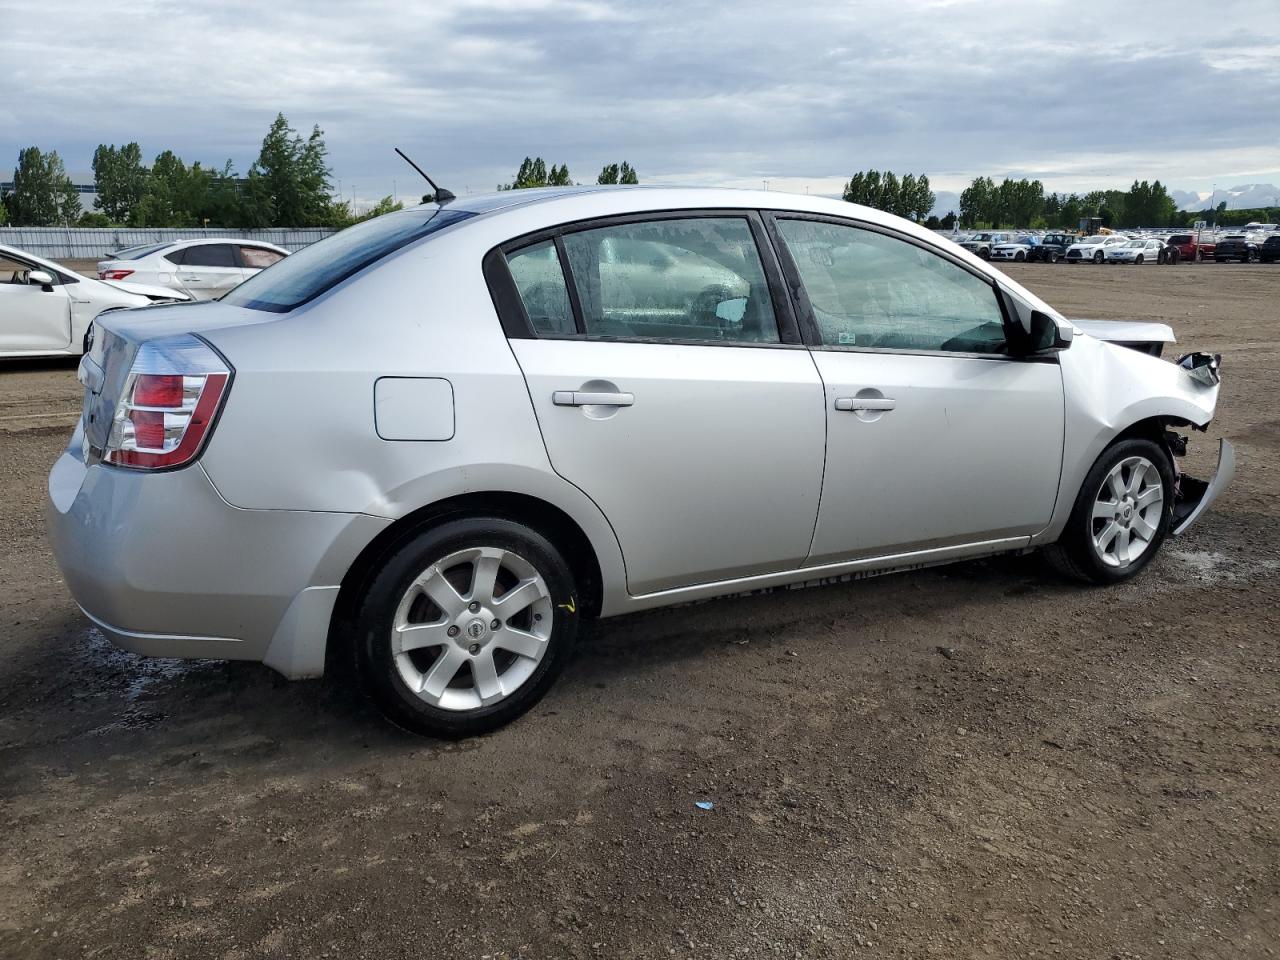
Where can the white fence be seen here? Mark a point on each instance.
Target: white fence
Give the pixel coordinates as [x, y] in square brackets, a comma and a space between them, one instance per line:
[94, 243]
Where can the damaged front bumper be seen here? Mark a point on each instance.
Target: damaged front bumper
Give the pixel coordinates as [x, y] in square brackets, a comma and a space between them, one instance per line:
[1195, 496]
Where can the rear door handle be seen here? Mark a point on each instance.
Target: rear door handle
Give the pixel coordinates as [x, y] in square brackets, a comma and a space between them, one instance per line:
[865, 403]
[579, 398]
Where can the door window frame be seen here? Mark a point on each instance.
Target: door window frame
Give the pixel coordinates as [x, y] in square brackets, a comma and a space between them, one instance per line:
[804, 308]
[515, 319]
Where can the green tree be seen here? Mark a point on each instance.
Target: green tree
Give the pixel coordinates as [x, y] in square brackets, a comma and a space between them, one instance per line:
[385, 205]
[615, 173]
[121, 180]
[289, 184]
[923, 199]
[1020, 202]
[979, 203]
[534, 173]
[43, 194]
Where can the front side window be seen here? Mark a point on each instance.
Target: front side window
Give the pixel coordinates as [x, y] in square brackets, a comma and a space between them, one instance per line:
[536, 271]
[698, 278]
[874, 291]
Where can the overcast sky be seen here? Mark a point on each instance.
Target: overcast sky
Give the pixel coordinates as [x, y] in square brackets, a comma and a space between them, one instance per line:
[1083, 94]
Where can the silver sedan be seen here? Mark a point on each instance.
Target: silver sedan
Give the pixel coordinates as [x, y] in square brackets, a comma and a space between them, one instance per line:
[425, 449]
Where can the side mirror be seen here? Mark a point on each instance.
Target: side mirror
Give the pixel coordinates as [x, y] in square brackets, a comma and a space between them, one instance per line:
[42, 278]
[1046, 335]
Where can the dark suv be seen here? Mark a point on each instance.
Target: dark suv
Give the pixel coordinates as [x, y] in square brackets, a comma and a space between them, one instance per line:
[1235, 248]
[1051, 248]
[1269, 252]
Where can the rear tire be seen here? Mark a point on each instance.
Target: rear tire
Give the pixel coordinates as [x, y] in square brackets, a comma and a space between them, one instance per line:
[427, 648]
[1121, 515]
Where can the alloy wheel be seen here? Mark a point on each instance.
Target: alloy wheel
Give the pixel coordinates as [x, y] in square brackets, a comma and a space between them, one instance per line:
[472, 628]
[1127, 511]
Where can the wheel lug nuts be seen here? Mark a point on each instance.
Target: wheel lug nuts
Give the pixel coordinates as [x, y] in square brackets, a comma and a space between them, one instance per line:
[473, 606]
[453, 631]
[496, 625]
[474, 648]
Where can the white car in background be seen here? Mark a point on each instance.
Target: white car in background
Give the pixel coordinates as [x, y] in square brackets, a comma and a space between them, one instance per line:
[46, 310]
[1143, 250]
[1093, 249]
[1015, 249]
[203, 269]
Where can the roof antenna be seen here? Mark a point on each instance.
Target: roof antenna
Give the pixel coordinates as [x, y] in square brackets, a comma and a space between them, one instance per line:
[442, 196]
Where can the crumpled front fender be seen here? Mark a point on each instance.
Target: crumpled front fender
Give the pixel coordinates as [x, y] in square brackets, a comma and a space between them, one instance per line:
[1108, 389]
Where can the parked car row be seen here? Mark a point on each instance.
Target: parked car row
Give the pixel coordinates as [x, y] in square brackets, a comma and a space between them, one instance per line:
[1136, 248]
[47, 309]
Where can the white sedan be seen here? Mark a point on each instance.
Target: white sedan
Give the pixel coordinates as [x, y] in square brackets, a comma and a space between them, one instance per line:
[203, 269]
[45, 309]
[1135, 251]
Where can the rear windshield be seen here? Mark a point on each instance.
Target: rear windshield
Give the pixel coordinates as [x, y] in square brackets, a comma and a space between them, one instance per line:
[137, 253]
[313, 270]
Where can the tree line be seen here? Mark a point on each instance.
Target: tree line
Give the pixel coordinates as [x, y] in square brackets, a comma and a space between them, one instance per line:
[908, 197]
[534, 172]
[289, 185]
[1024, 203]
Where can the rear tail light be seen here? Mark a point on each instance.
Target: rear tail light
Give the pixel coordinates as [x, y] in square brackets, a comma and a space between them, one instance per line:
[114, 274]
[170, 400]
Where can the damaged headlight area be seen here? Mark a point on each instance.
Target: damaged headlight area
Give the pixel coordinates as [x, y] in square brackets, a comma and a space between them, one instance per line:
[1204, 368]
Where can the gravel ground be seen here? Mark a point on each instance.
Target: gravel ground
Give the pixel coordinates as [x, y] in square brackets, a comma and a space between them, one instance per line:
[972, 761]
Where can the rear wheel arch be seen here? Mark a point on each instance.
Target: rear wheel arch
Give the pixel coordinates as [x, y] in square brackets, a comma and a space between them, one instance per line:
[544, 518]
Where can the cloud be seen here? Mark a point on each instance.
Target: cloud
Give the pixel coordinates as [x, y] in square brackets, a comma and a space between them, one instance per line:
[1079, 95]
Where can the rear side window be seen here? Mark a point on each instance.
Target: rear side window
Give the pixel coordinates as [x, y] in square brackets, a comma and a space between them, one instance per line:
[256, 258]
[311, 271]
[177, 256]
[210, 255]
[874, 291]
[536, 271]
[683, 279]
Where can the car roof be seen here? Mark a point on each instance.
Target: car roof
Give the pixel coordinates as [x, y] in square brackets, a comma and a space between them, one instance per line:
[509, 214]
[201, 241]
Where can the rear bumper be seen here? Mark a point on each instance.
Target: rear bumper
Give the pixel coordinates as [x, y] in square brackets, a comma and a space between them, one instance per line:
[1197, 496]
[165, 567]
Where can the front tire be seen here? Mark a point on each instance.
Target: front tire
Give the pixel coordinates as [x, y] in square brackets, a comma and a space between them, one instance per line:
[1138, 260]
[1120, 517]
[1097, 257]
[466, 627]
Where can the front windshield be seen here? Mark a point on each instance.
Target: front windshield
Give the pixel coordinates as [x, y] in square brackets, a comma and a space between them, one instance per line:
[311, 271]
[1136, 243]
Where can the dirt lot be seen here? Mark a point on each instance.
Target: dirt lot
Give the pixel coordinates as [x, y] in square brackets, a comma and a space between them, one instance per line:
[976, 761]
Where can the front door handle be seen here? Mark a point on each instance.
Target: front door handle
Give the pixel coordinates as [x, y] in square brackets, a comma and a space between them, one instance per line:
[582, 398]
[865, 403]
